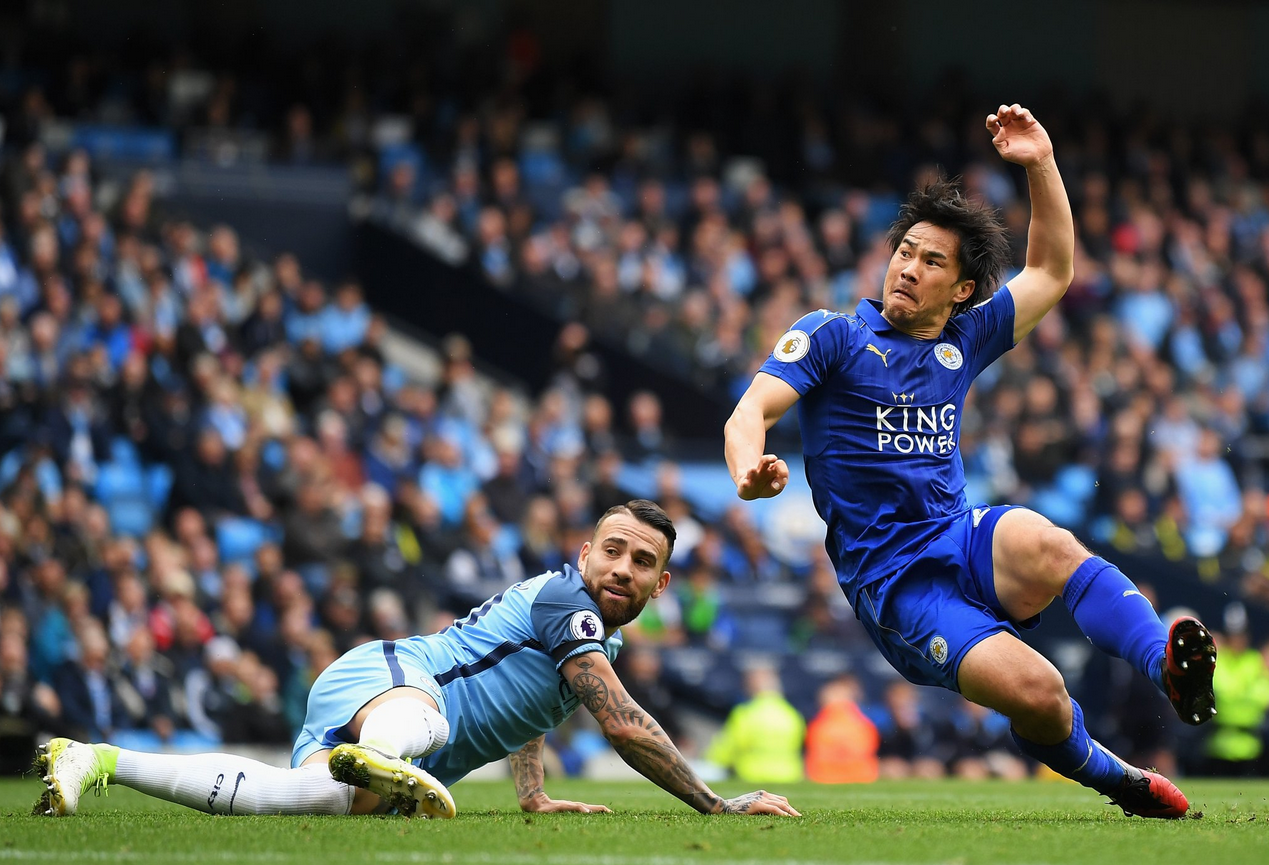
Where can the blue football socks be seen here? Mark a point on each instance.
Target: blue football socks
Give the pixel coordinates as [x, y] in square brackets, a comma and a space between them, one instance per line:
[1116, 617]
[1078, 757]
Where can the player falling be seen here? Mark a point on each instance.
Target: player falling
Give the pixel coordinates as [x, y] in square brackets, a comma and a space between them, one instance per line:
[942, 587]
[390, 724]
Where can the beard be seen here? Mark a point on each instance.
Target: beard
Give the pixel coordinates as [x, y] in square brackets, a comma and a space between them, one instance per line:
[618, 611]
[614, 611]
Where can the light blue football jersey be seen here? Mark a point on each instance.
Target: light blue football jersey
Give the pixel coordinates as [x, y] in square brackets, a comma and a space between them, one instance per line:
[498, 668]
[880, 415]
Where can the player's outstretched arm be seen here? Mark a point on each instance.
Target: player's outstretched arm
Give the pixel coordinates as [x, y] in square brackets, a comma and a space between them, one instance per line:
[1019, 138]
[757, 475]
[641, 742]
[526, 769]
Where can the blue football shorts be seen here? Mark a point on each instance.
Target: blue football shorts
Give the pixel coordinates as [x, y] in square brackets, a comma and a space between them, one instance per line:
[927, 615]
[356, 678]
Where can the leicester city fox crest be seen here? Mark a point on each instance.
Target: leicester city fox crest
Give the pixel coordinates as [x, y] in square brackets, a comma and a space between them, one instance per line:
[938, 650]
[949, 355]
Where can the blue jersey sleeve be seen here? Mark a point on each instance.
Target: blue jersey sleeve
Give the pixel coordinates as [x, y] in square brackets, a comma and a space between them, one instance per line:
[988, 330]
[810, 350]
[566, 618]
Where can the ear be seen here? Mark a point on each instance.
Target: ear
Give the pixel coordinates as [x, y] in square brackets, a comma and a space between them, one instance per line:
[965, 292]
[583, 556]
[662, 584]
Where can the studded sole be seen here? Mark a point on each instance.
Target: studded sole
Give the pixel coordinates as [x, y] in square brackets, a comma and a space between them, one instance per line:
[1191, 654]
[404, 786]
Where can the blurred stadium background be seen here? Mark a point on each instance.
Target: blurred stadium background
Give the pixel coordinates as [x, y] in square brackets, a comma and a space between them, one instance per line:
[319, 323]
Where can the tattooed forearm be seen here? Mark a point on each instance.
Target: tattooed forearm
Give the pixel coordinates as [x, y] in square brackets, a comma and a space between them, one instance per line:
[639, 739]
[661, 763]
[526, 768]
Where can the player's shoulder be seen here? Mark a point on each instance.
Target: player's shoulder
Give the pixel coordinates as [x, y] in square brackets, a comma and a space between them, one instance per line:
[563, 587]
[813, 321]
[1001, 301]
[796, 341]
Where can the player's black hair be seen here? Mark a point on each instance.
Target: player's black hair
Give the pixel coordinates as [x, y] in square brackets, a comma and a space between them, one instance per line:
[984, 244]
[647, 512]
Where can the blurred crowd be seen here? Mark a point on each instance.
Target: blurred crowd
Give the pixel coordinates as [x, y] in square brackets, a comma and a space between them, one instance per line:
[1139, 410]
[213, 480]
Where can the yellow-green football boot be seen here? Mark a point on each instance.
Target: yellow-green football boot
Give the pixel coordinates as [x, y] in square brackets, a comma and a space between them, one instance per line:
[400, 783]
[69, 769]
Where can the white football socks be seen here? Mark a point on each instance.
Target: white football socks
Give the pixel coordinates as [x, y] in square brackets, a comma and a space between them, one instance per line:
[229, 784]
[405, 728]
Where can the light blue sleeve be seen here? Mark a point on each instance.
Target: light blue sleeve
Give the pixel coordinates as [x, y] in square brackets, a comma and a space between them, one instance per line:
[566, 618]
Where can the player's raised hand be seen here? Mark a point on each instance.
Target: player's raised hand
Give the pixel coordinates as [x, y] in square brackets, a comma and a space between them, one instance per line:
[1018, 136]
[768, 478]
[760, 803]
[547, 805]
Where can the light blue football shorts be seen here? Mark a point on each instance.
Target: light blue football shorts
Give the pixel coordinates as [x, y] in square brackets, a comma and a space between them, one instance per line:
[355, 679]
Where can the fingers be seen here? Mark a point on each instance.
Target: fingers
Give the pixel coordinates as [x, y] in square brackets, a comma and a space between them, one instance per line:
[780, 473]
[564, 805]
[774, 807]
[782, 806]
[1007, 114]
[771, 803]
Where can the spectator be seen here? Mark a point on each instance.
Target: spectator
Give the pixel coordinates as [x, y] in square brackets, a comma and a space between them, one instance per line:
[761, 742]
[1209, 493]
[91, 706]
[1241, 685]
[642, 674]
[144, 686]
[911, 746]
[27, 706]
[984, 747]
[205, 480]
[841, 742]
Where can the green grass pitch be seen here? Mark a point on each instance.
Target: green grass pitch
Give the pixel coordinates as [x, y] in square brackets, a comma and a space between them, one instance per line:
[901, 822]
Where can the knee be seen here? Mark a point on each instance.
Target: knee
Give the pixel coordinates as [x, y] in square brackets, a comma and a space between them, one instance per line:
[1042, 696]
[1059, 553]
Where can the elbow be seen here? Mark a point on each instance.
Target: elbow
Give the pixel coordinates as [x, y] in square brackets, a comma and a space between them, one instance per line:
[618, 734]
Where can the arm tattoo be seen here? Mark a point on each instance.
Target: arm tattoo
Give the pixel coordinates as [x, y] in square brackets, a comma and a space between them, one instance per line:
[591, 690]
[526, 768]
[640, 741]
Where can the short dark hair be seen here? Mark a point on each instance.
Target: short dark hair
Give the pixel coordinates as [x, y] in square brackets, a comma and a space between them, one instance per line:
[984, 249]
[647, 512]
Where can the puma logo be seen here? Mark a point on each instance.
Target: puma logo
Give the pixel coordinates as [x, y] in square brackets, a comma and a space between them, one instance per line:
[1131, 592]
[879, 353]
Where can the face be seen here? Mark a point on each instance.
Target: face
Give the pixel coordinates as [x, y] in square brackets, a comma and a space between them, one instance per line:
[623, 567]
[923, 283]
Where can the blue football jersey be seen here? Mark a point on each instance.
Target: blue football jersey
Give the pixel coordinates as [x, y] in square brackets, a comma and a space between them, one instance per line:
[498, 668]
[880, 413]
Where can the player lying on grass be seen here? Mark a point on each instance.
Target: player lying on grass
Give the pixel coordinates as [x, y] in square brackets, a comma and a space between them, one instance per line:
[942, 587]
[390, 724]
